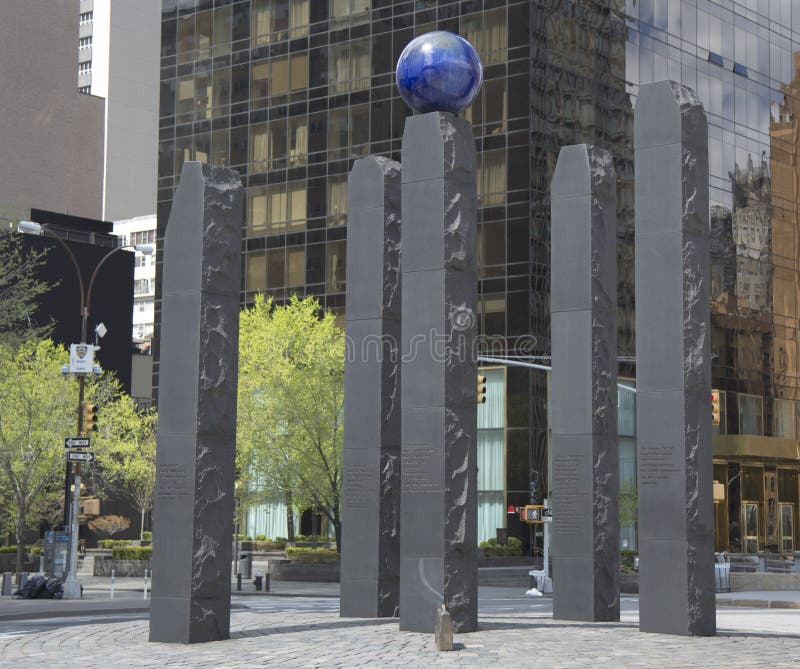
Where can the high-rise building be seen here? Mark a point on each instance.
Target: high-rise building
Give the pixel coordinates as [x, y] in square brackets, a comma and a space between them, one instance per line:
[52, 137]
[289, 93]
[118, 61]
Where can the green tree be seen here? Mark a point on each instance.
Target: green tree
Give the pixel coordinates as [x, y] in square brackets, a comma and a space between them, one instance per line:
[37, 410]
[291, 389]
[125, 451]
[20, 289]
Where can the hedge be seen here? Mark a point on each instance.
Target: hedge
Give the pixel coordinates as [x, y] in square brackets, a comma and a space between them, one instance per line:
[312, 555]
[492, 549]
[113, 543]
[132, 553]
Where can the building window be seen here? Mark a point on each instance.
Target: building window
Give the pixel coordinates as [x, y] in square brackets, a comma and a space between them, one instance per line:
[221, 43]
[298, 18]
[349, 12]
[751, 414]
[298, 141]
[785, 418]
[256, 271]
[85, 18]
[337, 200]
[349, 66]
[141, 286]
[85, 67]
[276, 268]
[85, 42]
[143, 237]
[492, 456]
[256, 210]
[86, 90]
[487, 32]
[276, 208]
[335, 264]
[295, 267]
[491, 178]
[297, 206]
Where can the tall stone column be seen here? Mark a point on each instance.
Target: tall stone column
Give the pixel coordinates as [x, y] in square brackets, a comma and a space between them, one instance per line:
[583, 386]
[193, 513]
[370, 575]
[673, 363]
[438, 529]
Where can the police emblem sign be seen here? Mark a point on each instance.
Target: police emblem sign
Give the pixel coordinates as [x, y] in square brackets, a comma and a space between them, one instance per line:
[81, 358]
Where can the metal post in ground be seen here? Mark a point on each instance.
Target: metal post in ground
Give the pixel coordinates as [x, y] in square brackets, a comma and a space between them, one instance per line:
[112, 584]
[72, 586]
[145, 584]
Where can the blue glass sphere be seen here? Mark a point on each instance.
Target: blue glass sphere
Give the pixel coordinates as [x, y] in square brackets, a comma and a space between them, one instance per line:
[439, 71]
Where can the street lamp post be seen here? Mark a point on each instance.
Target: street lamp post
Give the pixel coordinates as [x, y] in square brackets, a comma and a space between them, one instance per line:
[72, 586]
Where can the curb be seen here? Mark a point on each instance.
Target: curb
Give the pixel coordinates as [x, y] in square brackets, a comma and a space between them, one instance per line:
[759, 603]
[74, 612]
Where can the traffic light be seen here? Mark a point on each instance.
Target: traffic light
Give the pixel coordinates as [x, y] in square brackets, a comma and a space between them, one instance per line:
[481, 389]
[715, 416]
[89, 417]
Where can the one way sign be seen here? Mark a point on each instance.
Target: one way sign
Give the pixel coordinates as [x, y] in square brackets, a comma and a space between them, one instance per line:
[80, 456]
[76, 442]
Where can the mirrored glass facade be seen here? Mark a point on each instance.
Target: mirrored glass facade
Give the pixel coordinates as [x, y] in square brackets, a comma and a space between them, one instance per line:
[290, 92]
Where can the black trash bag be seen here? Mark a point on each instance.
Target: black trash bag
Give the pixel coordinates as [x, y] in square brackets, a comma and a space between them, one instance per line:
[32, 588]
[52, 589]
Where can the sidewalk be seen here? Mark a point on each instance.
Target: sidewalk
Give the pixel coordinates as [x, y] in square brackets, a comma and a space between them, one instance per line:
[761, 599]
[129, 597]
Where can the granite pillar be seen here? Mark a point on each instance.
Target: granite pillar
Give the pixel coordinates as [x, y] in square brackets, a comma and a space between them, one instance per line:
[438, 529]
[370, 574]
[193, 512]
[673, 363]
[583, 386]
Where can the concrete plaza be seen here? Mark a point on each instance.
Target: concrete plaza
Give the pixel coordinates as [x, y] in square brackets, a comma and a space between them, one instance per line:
[307, 632]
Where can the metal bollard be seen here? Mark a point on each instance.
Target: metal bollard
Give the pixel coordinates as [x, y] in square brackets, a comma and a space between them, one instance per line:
[112, 584]
[22, 580]
[266, 582]
[145, 583]
[8, 584]
[258, 581]
[443, 631]
[239, 581]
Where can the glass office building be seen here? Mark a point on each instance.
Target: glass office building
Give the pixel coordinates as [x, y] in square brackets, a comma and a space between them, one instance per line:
[290, 92]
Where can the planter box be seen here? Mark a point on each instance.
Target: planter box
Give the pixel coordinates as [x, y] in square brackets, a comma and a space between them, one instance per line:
[763, 581]
[520, 561]
[103, 567]
[8, 562]
[629, 583]
[284, 570]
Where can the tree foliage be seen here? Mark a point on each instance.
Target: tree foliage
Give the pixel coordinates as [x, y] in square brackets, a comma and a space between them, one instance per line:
[37, 408]
[107, 526]
[125, 449]
[291, 390]
[20, 289]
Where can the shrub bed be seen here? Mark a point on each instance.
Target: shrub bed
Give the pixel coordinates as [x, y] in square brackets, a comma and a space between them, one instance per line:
[113, 543]
[312, 555]
[511, 549]
[259, 546]
[132, 553]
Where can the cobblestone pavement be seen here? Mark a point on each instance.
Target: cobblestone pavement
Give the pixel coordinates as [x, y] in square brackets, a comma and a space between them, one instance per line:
[747, 638]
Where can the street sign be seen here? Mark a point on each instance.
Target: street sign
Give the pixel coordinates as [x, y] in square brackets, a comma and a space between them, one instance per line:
[81, 358]
[80, 456]
[547, 515]
[76, 442]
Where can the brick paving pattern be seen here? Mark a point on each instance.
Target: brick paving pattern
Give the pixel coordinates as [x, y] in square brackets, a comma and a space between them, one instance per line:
[325, 640]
